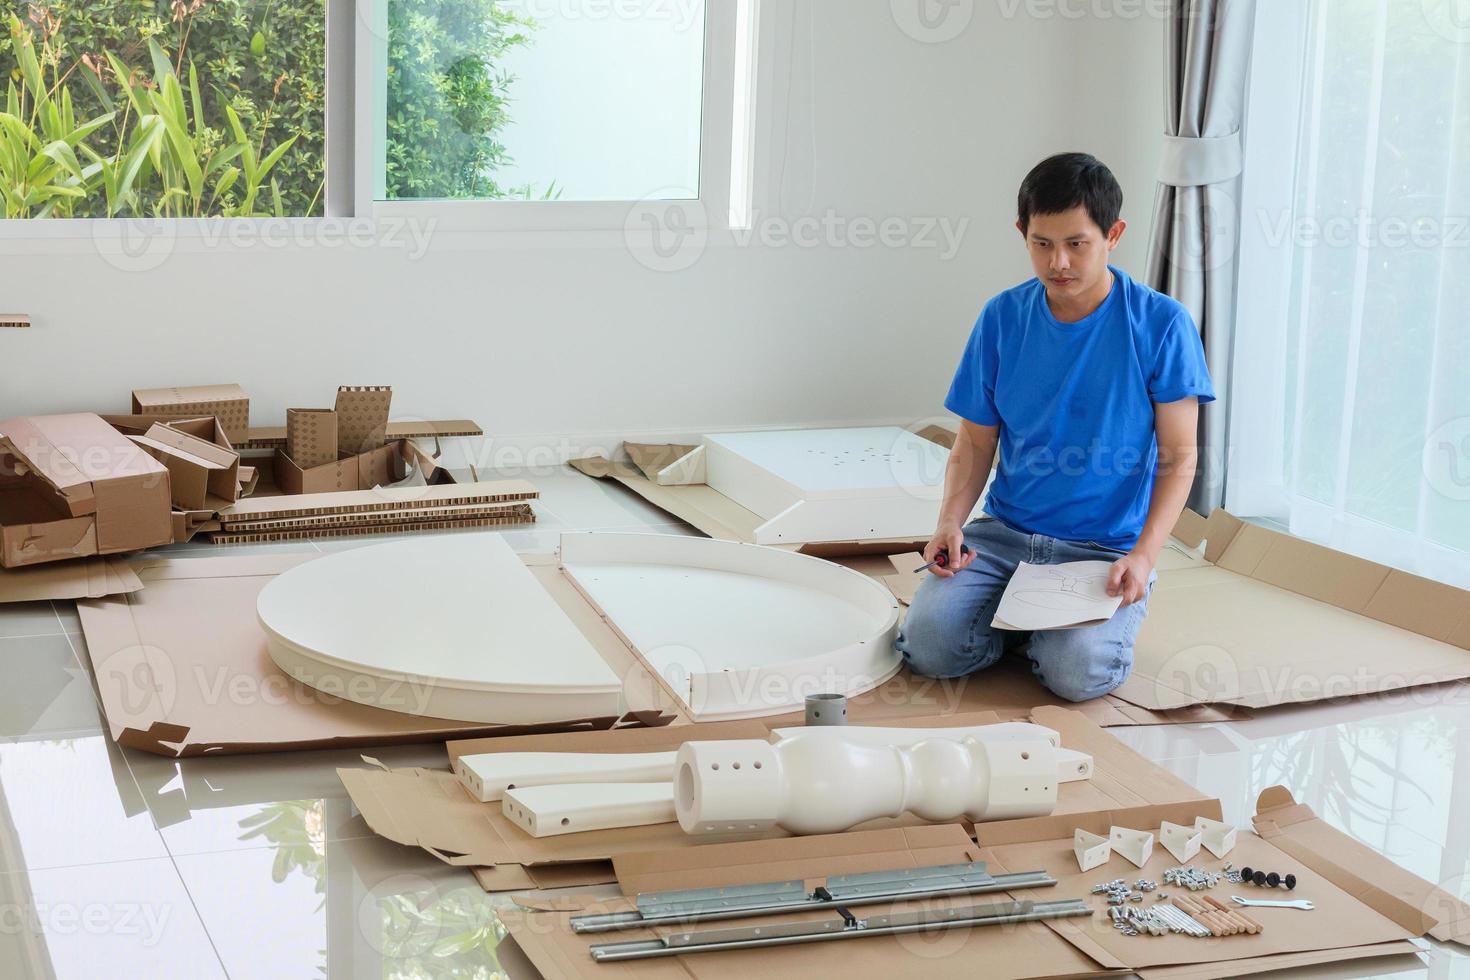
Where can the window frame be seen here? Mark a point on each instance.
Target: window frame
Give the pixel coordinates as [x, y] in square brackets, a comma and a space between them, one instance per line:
[709, 210]
[355, 120]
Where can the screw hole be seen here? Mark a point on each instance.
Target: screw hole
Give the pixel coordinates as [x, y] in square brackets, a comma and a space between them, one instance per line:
[757, 765]
[1025, 755]
[736, 766]
[565, 821]
[714, 765]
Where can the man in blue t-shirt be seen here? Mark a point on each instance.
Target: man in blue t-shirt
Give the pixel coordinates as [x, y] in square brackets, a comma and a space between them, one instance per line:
[1089, 385]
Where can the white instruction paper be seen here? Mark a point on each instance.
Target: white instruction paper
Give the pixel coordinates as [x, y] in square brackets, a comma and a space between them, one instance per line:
[1056, 597]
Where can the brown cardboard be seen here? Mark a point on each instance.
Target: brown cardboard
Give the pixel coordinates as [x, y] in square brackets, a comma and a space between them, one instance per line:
[429, 808]
[88, 578]
[1345, 916]
[228, 403]
[379, 500]
[73, 486]
[1265, 618]
[182, 670]
[311, 437]
[199, 471]
[510, 515]
[274, 437]
[1351, 865]
[1343, 927]
[362, 418]
[362, 472]
[18, 321]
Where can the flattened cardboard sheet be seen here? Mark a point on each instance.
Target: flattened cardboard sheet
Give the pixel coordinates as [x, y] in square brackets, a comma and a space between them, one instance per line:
[182, 670]
[379, 500]
[1268, 619]
[1343, 927]
[1017, 951]
[89, 578]
[1354, 867]
[1345, 918]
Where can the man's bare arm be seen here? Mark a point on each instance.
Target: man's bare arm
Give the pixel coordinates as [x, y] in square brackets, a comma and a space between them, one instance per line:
[1176, 429]
[965, 474]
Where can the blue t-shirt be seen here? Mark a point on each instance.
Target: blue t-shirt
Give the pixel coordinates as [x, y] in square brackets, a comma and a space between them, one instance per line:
[1075, 405]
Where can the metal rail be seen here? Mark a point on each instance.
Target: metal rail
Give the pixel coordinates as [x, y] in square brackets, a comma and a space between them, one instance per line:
[712, 904]
[847, 927]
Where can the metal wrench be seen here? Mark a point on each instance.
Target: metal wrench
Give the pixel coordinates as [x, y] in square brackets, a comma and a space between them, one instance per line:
[1300, 903]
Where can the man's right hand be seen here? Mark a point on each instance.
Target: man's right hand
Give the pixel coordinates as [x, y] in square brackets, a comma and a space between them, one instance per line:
[951, 538]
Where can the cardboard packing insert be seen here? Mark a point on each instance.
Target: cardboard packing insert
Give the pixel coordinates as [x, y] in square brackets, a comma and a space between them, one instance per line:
[1352, 920]
[72, 486]
[228, 403]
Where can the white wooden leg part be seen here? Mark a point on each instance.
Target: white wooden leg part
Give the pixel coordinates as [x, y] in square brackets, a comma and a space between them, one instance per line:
[1135, 845]
[1217, 836]
[1092, 850]
[549, 811]
[817, 783]
[1181, 841]
[487, 776]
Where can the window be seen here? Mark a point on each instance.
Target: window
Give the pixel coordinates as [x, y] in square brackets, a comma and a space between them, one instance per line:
[1351, 417]
[475, 114]
[543, 99]
[163, 108]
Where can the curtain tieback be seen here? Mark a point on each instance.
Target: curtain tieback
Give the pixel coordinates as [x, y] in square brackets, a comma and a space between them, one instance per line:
[1194, 161]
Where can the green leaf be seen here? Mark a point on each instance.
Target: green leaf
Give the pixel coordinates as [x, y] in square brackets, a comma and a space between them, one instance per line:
[162, 66]
[257, 45]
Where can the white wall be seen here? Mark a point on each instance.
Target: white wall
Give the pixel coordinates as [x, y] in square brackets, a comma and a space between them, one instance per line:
[533, 338]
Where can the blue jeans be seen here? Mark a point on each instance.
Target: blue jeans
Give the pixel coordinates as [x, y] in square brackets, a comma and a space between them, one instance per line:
[947, 632]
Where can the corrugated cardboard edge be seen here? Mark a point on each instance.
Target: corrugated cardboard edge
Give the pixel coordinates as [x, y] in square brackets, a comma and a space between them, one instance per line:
[1278, 961]
[1413, 903]
[87, 578]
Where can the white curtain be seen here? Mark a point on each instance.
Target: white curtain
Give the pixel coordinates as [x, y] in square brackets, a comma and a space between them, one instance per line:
[1350, 416]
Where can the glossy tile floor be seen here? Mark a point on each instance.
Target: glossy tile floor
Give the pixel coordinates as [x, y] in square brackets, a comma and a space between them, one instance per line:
[121, 864]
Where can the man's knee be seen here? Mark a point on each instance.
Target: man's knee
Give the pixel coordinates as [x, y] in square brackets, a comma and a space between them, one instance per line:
[939, 640]
[1076, 667]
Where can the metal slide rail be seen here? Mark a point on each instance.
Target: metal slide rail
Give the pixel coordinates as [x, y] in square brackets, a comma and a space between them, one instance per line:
[769, 898]
[847, 927]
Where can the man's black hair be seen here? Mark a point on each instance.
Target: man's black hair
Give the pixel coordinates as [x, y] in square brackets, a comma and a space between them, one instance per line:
[1066, 181]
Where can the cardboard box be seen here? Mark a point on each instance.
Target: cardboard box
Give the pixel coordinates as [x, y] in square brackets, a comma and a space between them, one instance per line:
[430, 808]
[1346, 925]
[382, 466]
[228, 403]
[201, 474]
[182, 670]
[311, 436]
[73, 486]
[362, 418]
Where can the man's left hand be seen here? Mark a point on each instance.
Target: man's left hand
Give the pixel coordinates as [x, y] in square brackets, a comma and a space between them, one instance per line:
[1129, 577]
